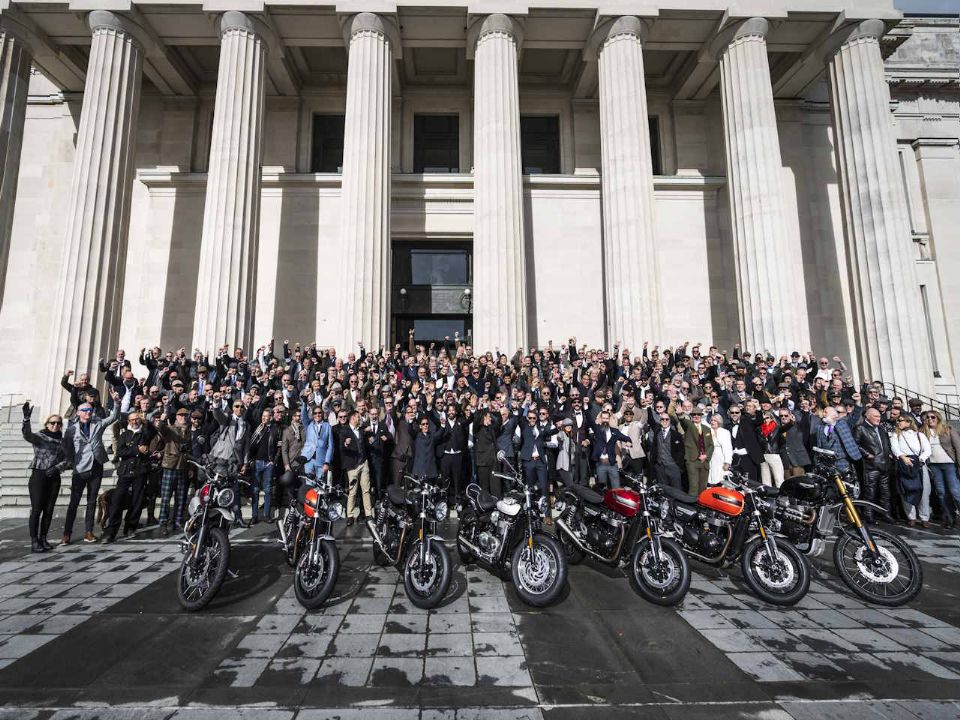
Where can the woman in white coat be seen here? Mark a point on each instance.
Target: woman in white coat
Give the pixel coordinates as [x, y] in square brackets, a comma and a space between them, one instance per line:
[722, 450]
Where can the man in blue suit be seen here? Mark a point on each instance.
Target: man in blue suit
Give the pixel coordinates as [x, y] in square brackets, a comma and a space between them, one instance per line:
[533, 445]
[318, 445]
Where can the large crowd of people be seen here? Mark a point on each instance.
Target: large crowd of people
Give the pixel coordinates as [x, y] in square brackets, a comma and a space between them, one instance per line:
[681, 415]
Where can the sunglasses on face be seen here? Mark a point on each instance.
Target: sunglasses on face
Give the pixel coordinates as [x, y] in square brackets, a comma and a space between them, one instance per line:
[55, 422]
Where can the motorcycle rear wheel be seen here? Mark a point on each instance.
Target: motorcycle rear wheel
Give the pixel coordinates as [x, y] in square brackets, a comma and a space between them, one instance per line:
[783, 584]
[663, 585]
[199, 582]
[314, 581]
[540, 579]
[860, 573]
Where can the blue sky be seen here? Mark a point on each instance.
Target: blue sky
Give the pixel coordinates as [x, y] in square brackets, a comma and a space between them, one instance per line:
[937, 7]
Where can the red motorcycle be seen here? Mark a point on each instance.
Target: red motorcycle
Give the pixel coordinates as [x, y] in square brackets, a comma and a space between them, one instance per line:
[624, 525]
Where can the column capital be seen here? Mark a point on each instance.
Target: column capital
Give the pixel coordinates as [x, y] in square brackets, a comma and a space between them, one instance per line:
[737, 29]
[483, 25]
[375, 23]
[234, 20]
[611, 28]
[106, 20]
[847, 33]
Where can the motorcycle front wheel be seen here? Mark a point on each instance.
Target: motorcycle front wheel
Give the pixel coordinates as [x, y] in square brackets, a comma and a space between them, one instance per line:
[892, 576]
[426, 583]
[200, 579]
[540, 573]
[781, 580]
[316, 574]
[665, 582]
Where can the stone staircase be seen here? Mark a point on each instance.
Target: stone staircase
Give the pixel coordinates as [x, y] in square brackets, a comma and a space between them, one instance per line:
[15, 456]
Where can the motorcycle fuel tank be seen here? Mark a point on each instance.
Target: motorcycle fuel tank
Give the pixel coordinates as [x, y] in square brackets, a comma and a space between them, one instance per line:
[722, 499]
[805, 488]
[622, 500]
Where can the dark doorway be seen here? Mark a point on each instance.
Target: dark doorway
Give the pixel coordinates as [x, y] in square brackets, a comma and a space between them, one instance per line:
[432, 290]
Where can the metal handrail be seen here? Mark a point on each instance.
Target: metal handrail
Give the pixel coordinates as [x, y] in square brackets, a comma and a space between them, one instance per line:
[7, 402]
[950, 411]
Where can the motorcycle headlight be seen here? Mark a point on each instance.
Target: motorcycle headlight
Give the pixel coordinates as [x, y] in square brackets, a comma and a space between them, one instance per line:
[334, 511]
[543, 507]
[664, 509]
[194, 505]
[225, 498]
[440, 511]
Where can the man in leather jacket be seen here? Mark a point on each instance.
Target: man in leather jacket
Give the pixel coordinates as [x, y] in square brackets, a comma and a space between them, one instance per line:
[874, 444]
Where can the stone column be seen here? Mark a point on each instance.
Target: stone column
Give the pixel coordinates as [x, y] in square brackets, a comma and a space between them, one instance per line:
[226, 288]
[499, 274]
[365, 225]
[889, 316]
[15, 59]
[89, 293]
[769, 315]
[631, 269]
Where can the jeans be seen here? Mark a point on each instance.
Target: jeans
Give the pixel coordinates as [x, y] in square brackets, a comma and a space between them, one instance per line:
[608, 474]
[947, 486]
[89, 481]
[262, 480]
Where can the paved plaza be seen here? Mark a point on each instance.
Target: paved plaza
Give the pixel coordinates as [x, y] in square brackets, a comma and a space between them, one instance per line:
[96, 632]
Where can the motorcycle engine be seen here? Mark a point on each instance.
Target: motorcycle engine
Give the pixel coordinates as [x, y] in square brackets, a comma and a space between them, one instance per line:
[488, 542]
[704, 531]
[603, 530]
[796, 520]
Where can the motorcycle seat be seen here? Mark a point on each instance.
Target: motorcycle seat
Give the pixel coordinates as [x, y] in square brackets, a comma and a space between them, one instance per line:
[590, 497]
[678, 495]
[396, 495]
[484, 500]
[764, 490]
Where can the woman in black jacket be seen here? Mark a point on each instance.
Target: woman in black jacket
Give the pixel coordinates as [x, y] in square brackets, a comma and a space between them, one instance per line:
[45, 470]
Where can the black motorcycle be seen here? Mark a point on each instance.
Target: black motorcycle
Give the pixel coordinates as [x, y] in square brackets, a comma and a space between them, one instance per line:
[878, 566]
[306, 533]
[625, 525]
[404, 532]
[734, 522]
[496, 532]
[206, 547]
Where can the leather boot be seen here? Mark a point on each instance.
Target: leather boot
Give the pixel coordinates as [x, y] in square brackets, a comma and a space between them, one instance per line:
[36, 546]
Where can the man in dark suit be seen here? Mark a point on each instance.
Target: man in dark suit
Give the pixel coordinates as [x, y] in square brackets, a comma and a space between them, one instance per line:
[605, 439]
[355, 463]
[874, 443]
[666, 452]
[533, 447]
[377, 439]
[747, 453]
[486, 428]
[452, 450]
[401, 454]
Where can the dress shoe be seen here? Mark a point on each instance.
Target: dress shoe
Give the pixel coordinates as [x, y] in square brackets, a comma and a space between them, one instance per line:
[164, 530]
[89, 537]
[65, 540]
[37, 546]
[254, 521]
[46, 544]
[108, 538]
[911, 523]
[350, 522]
[925, 523]
[949, 524]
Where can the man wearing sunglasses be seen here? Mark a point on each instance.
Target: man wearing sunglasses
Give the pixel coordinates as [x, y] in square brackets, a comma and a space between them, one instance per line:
[84, 451]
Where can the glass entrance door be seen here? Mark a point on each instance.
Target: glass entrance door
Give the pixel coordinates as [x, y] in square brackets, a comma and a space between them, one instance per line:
[431, 292]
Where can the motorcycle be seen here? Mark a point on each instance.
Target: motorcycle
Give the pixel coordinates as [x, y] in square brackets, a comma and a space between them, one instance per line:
[732, 522]
[496, 531]
[625, 525]
[206, 544]
[876, 565]
[404, 532]
[307, 539]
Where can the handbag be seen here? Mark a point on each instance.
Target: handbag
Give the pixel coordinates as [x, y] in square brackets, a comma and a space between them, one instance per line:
[910, 478]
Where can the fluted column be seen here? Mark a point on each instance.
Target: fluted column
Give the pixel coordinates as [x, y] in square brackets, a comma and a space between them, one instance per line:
[768, 313]
[889, 316]
[89, 293]
[15, 59]
[631, 269]
[365, 223]
[499, 275]
[226, 288]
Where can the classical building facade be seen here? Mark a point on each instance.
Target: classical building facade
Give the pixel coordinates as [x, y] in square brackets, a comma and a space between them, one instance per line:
[226, 172]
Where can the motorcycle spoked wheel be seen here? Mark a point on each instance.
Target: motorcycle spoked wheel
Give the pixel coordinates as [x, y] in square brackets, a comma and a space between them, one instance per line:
[662, 583]
[200, 580]
[782, 581]
[539, 574]
[427, 585]
[892, 579]
[315, 577]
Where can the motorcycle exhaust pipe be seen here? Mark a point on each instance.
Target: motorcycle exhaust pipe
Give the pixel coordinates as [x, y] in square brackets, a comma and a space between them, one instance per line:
[566, 528]
[376, 536]
[471, 547]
